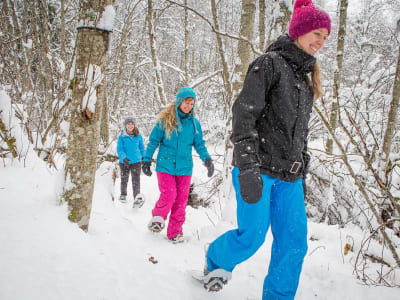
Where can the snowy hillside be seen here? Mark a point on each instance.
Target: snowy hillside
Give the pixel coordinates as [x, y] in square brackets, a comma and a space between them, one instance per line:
[44, 256]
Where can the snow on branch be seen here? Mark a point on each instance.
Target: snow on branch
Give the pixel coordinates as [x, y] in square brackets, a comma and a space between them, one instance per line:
[93, 80]
[104, 24]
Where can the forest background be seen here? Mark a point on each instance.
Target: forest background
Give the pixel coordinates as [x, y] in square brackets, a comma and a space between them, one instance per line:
[75, 69]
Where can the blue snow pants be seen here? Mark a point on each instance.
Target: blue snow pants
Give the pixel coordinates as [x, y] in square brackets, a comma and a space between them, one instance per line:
[281, 206]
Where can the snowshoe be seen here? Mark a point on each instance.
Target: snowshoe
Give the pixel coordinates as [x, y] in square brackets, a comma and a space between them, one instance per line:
[178, 239]
[156, 224]
[139, 201]
[214, 281]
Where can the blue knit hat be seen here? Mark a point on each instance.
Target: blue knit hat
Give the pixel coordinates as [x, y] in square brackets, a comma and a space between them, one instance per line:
[184, 93]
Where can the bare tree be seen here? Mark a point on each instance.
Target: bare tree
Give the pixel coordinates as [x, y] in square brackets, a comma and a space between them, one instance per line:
[392, 117]
[186, 51]
[278, 25]
[158, 82]
[221, 52]
[338, 71]
[244, 50]
[84, 134]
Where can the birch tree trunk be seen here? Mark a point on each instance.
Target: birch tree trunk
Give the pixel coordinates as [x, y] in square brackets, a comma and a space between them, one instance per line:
[159, 85]
[338, 71]
[221, 52]
[186, 51]
[84, 133]
[244, 49]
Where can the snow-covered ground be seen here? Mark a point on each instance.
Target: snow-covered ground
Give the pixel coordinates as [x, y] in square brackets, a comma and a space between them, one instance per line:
[44, 256]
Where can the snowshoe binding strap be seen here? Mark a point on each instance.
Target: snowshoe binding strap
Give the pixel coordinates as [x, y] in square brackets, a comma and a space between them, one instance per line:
[156, 224]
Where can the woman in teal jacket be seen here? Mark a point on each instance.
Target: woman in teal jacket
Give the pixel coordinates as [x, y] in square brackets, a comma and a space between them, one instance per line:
[176, 132]
[130, 149]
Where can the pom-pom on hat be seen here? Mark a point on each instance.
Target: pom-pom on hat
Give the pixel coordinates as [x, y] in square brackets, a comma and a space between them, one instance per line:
[306, 17]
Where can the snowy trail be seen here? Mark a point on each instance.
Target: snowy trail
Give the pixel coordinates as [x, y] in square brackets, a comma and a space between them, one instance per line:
[169, 277]
[44, 256]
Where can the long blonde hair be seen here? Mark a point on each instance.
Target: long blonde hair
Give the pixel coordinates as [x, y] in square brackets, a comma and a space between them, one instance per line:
[316, 81]
[167, 118]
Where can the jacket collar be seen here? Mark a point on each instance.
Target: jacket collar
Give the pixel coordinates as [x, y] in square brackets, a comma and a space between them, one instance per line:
[297, 58]
[182, 115]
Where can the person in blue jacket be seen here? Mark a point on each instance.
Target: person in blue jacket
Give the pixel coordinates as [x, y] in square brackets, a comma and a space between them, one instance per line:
[130, 149]
[176, 132]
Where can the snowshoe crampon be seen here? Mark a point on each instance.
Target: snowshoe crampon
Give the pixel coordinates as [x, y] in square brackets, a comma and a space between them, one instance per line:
[214, 281]
[215, 284]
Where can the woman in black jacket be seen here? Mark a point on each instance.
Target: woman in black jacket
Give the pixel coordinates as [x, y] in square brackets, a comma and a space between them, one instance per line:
[270, 124]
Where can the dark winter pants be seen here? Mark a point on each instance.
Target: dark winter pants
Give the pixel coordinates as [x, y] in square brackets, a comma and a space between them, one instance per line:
[134, 169]
[281, 206]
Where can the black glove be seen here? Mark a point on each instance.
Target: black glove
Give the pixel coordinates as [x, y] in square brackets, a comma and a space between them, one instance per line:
[146, 168]
[210, 167]
[126, 162]
[251, 184]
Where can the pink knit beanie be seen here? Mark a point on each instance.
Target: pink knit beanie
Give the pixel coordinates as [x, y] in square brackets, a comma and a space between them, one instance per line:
[306, 17]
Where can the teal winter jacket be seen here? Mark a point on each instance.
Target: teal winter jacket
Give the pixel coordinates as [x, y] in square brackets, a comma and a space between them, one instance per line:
[175, 153]
[130, 147]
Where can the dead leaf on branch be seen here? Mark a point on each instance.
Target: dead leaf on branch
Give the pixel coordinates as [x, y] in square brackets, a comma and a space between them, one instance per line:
[347, 248]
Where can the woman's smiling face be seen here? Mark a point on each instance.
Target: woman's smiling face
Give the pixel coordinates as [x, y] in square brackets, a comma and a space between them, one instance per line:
[312, 41]
[187, 105]
[130, 126]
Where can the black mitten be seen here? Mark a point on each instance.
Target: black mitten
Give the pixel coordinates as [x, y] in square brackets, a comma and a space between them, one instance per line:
[146, 168]
[251, 184]
[126, 162]
[210, 167]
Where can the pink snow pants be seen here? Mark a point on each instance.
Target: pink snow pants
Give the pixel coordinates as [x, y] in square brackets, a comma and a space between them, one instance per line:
[173, 198]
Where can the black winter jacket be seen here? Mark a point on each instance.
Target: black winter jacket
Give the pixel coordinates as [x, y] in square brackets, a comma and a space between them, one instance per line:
[271, 113]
